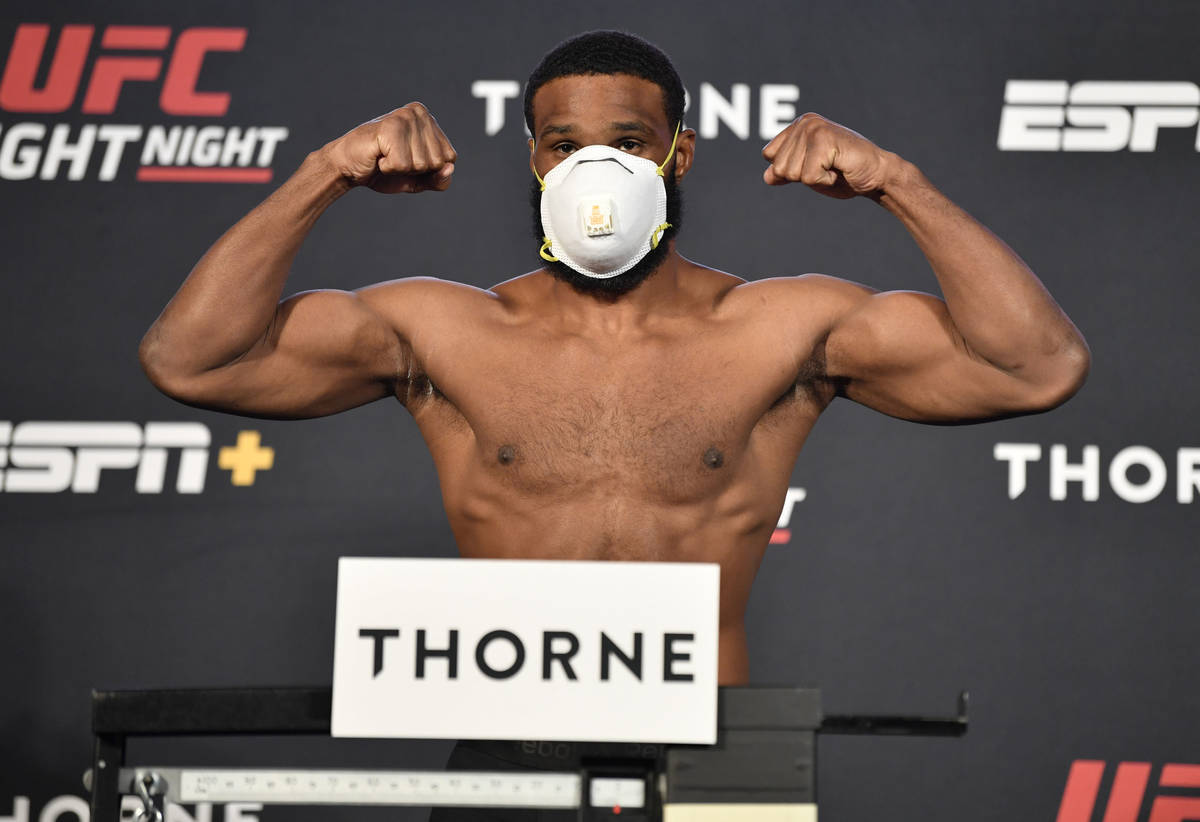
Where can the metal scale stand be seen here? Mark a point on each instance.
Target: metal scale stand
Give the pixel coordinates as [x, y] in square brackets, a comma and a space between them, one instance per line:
[761, 769]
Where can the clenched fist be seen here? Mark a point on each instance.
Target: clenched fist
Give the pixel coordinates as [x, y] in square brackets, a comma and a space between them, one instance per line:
[402, 151]
[829, 158]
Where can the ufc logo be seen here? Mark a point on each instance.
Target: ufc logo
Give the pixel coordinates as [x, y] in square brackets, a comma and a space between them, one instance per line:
[110, 72]
[783, 533]
[1128, 793]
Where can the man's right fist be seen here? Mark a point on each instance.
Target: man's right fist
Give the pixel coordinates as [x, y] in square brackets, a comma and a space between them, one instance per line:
[402, 151]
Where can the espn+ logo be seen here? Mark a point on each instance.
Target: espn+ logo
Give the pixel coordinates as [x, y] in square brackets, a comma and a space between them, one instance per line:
[42, 457]
[1053, 115]
[127, 55]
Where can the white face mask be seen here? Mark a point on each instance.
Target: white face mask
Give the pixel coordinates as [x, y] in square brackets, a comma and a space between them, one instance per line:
[603, 210]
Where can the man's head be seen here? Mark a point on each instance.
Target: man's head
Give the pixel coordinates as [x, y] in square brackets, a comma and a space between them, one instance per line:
[614, 89]
[608, 52]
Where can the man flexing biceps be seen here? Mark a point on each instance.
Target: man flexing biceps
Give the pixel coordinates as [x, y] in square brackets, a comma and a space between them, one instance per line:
[621, 401]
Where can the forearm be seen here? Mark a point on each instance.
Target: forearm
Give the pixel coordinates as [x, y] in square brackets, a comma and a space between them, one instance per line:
[228, 301]
[999, 307]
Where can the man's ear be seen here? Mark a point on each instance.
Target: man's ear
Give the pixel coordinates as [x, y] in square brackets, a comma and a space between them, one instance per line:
[531, 166]
[685, 153]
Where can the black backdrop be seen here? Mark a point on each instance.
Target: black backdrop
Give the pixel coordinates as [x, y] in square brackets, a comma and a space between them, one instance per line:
[910, 571]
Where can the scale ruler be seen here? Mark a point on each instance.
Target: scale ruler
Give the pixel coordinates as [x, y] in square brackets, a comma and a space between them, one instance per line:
[320, 787]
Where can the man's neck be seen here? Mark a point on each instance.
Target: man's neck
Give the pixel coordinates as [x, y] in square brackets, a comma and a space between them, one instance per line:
[659, 294]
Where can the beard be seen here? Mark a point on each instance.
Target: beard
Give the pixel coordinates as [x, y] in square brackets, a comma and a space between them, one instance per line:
[612, 287]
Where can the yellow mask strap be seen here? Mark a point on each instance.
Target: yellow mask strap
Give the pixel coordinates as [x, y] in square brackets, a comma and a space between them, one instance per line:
[670, 154]
[544, 251]
[657, 235]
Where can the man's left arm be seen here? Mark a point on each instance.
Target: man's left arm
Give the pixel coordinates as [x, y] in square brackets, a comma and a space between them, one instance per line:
[998, 345]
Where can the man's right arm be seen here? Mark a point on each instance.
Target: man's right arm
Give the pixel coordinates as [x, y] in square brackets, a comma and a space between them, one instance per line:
[225, 341]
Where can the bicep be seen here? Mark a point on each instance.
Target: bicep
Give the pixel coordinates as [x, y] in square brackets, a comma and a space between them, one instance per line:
[900, 353]
[324, 352]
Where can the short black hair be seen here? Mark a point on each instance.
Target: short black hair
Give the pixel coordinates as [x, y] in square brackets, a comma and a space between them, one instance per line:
[609, 52]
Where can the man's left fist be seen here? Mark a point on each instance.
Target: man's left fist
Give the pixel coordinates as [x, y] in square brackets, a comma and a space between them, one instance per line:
[829, 158]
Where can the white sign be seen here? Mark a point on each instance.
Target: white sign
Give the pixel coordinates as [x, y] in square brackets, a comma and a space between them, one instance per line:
[526, 649]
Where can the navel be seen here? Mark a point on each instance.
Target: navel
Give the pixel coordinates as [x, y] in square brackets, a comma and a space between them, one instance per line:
[713, 458]
[506, 454]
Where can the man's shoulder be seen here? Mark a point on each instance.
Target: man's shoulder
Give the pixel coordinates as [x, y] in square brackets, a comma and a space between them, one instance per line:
[521, 285]
[433, 297]
[810, 284]
[419, 287]
[809, 294]
[423, 309]
[425, 295]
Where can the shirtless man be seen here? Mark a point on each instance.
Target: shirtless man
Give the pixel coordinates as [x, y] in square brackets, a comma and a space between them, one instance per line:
[651, 415]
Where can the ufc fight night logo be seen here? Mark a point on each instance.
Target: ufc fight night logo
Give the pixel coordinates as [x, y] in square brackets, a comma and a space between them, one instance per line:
[173, 61]
[1128, 793]
[1053, 115]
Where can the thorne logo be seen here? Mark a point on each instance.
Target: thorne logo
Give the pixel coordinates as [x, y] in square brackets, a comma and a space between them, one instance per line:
[776, 107]
[556, 647]
[590, 650]
[51, 457]
[1128, 792]
[1135, 473]
[126, 54]
[1053, 115]
[70, 808]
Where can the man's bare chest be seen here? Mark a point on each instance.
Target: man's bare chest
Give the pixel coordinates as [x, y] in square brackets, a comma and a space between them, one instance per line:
[668, 415]
[615, 430]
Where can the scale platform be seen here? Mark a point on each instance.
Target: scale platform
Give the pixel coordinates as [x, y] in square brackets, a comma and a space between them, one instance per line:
[761, 769]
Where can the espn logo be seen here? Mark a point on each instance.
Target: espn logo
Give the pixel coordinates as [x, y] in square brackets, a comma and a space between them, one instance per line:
[1128, 792]
[50, 457]
[1053, 115]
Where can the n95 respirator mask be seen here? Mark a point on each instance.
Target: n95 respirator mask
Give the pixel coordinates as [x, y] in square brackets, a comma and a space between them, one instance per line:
[603, 210]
